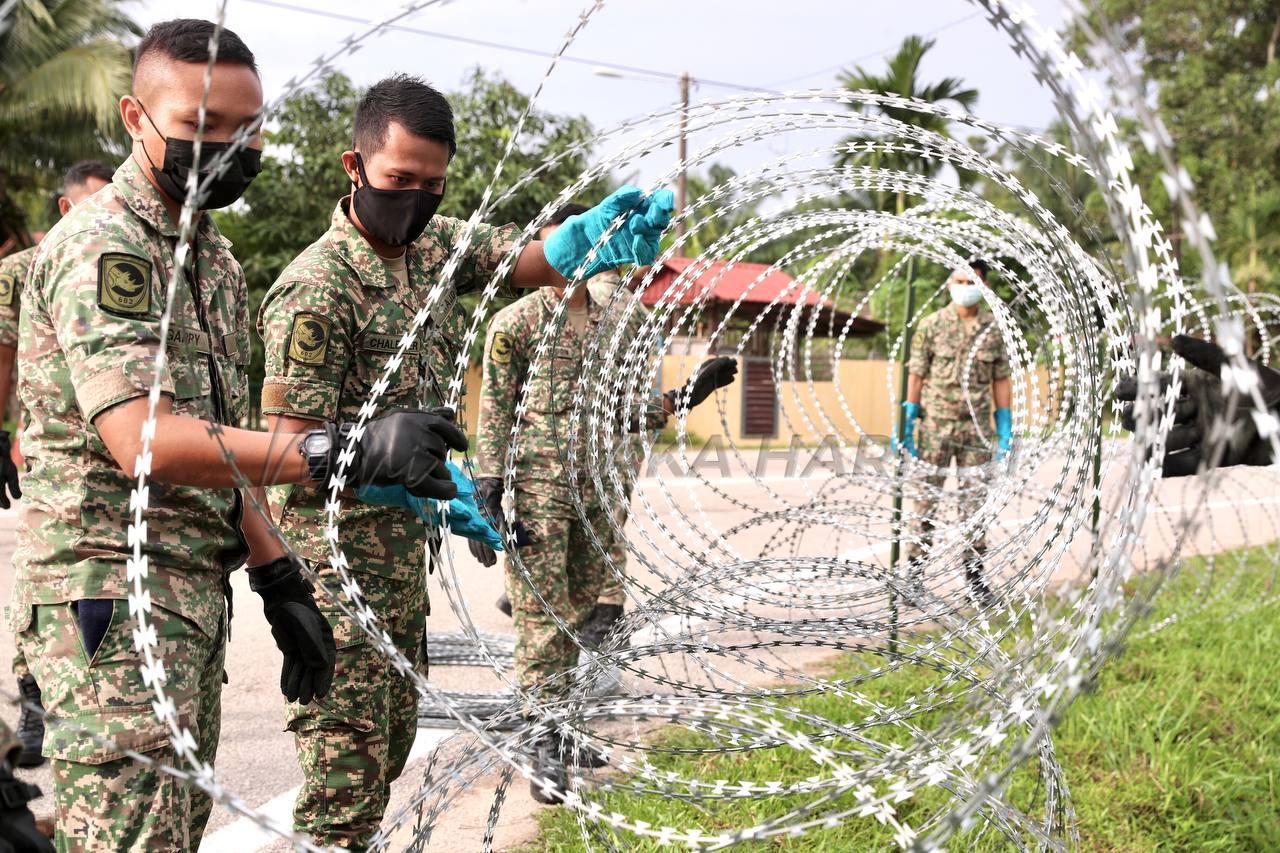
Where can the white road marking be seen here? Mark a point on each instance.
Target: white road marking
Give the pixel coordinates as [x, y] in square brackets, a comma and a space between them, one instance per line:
[244, 834]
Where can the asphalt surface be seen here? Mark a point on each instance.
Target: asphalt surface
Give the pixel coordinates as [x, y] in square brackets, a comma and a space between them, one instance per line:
[256, 759]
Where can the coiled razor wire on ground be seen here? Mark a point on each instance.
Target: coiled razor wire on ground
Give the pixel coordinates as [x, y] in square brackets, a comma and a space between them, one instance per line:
[723, 621]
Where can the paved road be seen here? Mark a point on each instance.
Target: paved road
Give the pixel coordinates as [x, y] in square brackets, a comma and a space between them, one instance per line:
[256, 758]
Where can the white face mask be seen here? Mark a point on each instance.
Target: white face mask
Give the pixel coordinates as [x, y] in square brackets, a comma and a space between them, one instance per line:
[966, 295]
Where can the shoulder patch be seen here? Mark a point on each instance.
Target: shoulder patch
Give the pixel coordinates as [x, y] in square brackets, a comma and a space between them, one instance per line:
[8, 286]
[309, 339]
[124, 284]
[503, 346]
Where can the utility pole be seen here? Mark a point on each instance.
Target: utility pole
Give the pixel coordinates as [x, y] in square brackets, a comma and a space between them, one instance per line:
[682, 183]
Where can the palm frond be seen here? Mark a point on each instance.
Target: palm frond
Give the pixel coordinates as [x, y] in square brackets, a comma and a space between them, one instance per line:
[86, 80]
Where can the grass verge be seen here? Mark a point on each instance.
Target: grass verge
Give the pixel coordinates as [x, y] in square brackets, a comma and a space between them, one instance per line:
[1177, 749]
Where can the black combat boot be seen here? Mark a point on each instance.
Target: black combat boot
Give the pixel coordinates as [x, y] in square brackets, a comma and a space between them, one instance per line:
[30, 723]
[573, 751]
[504, 604]
[548, 766]
[598, 624]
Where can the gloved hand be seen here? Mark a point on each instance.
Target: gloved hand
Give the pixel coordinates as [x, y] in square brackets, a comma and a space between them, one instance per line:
[402, 448]
[17, 825]
[463, 517]
[1004, 430]
[633, 242]
[489, 500]
[712, 375]
[1199, 404]
[299, 628]
[907, 441]
[8, 472]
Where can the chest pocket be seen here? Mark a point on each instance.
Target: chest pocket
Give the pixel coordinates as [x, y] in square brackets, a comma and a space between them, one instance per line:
[188, 347]
[375, 353]
[552, 390]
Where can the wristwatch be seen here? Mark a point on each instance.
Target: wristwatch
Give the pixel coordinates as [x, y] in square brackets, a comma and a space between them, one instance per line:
[316, 448]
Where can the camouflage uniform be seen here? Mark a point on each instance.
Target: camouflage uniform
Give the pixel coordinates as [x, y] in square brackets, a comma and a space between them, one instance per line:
[567, 568]
[602, 288]
[89, 339]
[13, 274]
[331, 325]
[958, 362]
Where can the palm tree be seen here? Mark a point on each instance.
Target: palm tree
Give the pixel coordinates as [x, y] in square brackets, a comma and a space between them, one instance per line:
[902, 77]
[63, 68]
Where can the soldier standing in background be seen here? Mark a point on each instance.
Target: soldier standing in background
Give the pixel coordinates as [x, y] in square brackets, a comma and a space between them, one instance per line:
[565, 566]
[958, 360]
[332, 324]
[81, 181]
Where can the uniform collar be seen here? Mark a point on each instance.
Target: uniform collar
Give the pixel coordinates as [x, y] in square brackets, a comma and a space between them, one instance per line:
[147, 203]
[348, 242]
[550, 300]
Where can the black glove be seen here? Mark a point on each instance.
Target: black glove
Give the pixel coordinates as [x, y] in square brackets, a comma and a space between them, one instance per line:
[17, 825]
[299, 628]
[489, 501]
[401, 449]
[8, 472]
[712, 375]
[1199, 404]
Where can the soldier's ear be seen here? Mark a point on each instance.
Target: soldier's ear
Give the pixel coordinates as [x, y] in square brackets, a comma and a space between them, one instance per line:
[349, 166]
[132, 117]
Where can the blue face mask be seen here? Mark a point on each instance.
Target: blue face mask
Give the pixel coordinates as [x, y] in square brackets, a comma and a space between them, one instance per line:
[966, 295]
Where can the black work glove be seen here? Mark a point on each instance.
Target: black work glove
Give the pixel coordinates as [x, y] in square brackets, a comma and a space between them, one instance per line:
[17, 825]
[299, 628]
[489, 501]
[712, 375]
[402, 449]
[8, 472]
[1199, 405]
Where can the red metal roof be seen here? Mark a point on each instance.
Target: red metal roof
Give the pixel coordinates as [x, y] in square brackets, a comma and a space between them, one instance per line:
[728, 285]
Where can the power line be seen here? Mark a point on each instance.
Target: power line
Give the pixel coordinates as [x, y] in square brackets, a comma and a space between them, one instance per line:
[598, 63]
[957, 22]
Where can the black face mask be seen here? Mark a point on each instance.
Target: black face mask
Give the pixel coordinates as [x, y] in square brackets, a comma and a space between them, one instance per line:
[179, 159]
[395, 217]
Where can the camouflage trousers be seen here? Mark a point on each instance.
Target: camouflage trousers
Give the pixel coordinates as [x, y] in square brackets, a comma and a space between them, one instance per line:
[104, 800]
[940, 443]
[615, 546]
[568, 571]
[354, 743]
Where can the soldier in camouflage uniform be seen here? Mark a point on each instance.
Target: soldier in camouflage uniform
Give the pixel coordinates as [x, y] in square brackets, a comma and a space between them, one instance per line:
[81, 181]
[88, 341]
[565, 566]
[332, 324]
[957, 361]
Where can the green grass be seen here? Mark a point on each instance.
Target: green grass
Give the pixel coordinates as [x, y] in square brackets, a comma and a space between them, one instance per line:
[1178, 748]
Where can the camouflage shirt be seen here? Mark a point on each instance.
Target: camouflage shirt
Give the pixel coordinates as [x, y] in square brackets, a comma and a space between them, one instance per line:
[331, 325]
[13, 273]
[958, 362]
[547, 402]
[90, 333]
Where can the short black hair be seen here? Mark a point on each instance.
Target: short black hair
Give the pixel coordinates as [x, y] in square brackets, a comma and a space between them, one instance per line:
[187, 40]
[79, 174]
[409, 102]
[980, 266]
[570, 209]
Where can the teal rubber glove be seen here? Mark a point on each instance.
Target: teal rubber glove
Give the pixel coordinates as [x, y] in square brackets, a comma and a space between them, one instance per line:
[907, 441]
[463, 519]
[1004, 429]
[634, 242]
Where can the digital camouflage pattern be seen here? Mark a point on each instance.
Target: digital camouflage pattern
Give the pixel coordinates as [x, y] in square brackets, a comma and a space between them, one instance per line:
[103, 799]
[354, 743]
[13, 274]
[566, 567]
[602, 288]
[331, 325]
[958, 361]
[88, 339]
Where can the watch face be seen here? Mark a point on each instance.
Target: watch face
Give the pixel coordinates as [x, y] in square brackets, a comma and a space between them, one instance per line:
[315, 444]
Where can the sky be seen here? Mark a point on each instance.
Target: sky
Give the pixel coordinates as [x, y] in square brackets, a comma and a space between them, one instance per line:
[795, 44]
